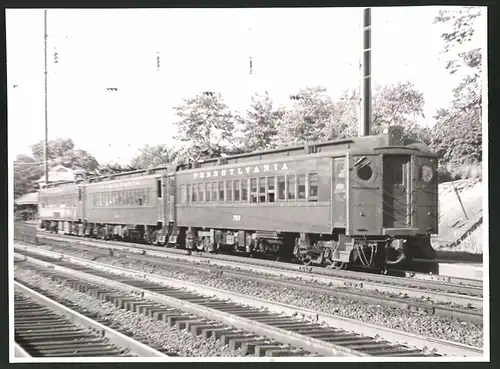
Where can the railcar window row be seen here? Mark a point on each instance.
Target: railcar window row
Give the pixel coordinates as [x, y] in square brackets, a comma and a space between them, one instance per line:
[61, 200]
[121, 198]
[304, 187]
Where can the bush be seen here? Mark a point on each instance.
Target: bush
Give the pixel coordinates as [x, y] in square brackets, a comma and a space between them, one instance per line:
[453, 173]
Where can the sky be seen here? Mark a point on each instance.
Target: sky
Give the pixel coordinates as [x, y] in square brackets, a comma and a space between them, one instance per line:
[200, 50]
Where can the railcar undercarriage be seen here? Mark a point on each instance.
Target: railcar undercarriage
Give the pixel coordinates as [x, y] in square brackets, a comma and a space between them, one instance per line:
[333, 251]
[339, 251]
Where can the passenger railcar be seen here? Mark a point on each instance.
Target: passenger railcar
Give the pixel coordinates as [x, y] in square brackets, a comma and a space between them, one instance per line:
[369, 200]
[61, 206]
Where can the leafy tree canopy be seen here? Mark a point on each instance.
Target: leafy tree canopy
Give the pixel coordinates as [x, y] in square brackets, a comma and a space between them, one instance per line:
[205, 126]
[153, 156]
[457, 134]
[62, 151]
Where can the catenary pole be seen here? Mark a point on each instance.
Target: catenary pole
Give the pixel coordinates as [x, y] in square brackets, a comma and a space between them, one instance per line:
[366, 93]
[46, 144]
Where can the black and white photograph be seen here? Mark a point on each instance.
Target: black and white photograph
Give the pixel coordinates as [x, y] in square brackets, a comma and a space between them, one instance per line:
[248, 184]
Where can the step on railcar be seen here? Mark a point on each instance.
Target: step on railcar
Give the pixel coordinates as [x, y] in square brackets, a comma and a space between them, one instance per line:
[367, 200]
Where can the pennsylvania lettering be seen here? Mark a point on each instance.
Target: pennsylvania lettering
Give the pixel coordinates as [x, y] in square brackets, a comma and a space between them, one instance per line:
[242, 170]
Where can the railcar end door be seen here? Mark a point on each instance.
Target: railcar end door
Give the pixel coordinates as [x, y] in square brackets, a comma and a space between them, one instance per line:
[364, 184]
[397, 191]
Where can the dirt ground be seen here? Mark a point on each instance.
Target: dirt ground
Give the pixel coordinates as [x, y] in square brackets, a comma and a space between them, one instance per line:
[456, 232]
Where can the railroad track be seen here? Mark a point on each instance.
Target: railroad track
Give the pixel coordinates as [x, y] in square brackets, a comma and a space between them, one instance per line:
[469, 313]
[28, 233]
[442, 293]
[247, 314]
[409, 278]
[45, 328]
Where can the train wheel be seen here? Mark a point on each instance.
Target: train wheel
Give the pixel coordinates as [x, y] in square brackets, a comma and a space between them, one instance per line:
[338, 265]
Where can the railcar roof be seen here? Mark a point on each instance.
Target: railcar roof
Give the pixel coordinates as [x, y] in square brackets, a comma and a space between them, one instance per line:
[367, 143]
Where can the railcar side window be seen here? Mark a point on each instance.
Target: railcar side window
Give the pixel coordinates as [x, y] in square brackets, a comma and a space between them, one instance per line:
[214, 191]
[270, 189]
[201, 192]
[244, 190]
[79, 194]
[313, 187]
[262, 190]
[253, 190]
[301, 184]
[193, 192]
[221, 190]
[183, 194]
[291, 187]
[188, 193]
[281, 188]
[158, 188]
[236, 189]
[229, 190]
[208, 191]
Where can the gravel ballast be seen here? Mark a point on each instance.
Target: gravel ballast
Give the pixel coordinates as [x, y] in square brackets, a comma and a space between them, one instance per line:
[404, 320]
[157, 332]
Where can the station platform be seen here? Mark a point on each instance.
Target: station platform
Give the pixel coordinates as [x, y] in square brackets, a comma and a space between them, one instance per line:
[460, 270]
[446, 267]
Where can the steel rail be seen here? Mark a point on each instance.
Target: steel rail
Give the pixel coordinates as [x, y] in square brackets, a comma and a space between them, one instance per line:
[421, 342]
[112, 335]
[341, 281]
[412, 278]
[465, 313]
[282, 335]
[436, 309]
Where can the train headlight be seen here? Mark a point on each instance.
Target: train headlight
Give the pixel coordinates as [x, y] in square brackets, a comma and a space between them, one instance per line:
[397, 135]
[426, 173]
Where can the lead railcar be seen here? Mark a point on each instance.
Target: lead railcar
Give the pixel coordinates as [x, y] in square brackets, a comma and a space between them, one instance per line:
[369, 200]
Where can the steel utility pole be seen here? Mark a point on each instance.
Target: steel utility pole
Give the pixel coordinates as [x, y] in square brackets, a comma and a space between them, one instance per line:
[45, 149]
[366, 82]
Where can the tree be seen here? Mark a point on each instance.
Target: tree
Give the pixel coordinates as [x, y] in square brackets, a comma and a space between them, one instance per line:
[153, 156]
[260, 124]
[206, 126]
[310, 119]
[457, 134]
[399, 104]
[26, 172]
[112, 168]
[347, 114]
[457, 138]
[62, 151]
[458, 34]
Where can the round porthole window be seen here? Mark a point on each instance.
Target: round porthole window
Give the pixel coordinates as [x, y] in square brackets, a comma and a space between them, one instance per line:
[365, 173]
[426, 173]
